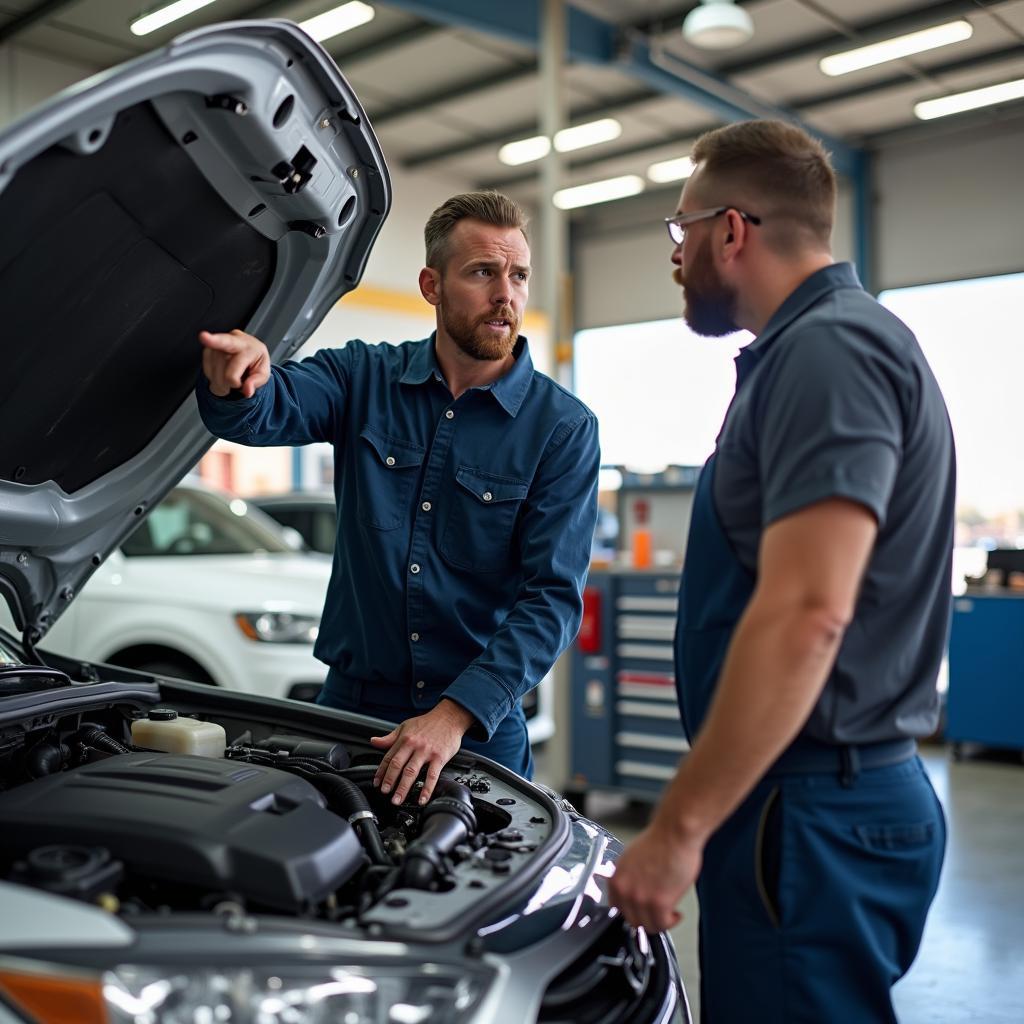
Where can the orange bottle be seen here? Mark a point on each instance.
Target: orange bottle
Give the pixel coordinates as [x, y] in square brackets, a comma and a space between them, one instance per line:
[641, 535]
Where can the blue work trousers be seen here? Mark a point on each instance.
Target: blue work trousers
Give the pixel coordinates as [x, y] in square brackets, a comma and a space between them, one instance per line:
[813, 896]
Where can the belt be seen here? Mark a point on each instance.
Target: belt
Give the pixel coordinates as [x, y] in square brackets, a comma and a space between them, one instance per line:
[808, 757]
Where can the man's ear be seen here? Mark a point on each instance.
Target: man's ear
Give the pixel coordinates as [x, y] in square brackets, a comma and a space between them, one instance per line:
[430, 285]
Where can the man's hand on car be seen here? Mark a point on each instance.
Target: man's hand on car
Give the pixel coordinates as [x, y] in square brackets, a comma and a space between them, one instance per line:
[430, 740]
[653, 875]
[234, 361]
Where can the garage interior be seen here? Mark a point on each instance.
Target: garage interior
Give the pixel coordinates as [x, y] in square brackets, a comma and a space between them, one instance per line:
[466, 95]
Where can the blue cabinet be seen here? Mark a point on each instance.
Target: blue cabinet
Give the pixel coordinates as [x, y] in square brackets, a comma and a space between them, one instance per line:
[626, 735]
[986, 671]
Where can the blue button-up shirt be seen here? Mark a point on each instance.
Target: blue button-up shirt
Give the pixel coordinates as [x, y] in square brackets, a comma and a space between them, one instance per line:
[464, 525]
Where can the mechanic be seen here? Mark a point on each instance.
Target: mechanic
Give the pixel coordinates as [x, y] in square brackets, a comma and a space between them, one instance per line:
[813, 611]
[466, 484]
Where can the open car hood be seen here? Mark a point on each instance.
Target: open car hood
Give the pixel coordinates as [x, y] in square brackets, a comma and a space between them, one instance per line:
[227, 180]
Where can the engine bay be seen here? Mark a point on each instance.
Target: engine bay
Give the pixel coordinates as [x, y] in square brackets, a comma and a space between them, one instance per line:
[284, 823]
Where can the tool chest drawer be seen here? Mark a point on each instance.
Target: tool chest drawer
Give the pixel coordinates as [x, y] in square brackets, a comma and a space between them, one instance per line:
[626, 731]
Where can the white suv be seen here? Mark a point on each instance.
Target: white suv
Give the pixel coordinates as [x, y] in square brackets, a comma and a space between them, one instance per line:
[208, 589]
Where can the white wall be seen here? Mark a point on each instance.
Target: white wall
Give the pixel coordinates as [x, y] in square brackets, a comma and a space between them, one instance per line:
[952, 207]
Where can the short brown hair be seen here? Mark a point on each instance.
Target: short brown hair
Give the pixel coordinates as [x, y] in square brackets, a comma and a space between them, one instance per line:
[781, 170]
[489, 207]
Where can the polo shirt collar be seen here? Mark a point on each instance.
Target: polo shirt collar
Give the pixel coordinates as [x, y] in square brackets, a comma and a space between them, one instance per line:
[822, 282]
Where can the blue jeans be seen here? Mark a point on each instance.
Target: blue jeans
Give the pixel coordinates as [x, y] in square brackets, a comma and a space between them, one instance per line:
[813, 897]
[509, 746]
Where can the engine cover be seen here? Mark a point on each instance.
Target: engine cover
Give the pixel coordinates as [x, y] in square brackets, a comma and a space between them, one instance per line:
[208, 822]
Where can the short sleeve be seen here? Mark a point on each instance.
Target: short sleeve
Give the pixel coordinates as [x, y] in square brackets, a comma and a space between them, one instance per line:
[831, 424]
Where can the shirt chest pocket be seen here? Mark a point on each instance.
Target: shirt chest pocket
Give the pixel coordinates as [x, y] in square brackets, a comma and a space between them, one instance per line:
[386, 471]
[481, 520]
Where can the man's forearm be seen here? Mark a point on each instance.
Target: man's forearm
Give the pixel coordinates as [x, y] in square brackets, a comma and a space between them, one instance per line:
[776, 668]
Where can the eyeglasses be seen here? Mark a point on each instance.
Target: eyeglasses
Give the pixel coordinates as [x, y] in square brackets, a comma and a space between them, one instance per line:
[677, 225]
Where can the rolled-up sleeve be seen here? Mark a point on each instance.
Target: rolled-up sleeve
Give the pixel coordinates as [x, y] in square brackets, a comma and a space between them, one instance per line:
[555, 535]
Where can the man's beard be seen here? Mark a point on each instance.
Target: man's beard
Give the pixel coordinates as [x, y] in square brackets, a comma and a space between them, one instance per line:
[710, 308]
[473, 337]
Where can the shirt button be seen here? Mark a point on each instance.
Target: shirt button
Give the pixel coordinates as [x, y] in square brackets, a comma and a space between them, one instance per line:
[414, 637]
[390, 460]
[420, 685]
[414, 568]
[426, 506]
[449, 415]
[487, 496]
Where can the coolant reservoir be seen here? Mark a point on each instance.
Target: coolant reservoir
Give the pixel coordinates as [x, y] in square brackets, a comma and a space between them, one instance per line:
[164, 730]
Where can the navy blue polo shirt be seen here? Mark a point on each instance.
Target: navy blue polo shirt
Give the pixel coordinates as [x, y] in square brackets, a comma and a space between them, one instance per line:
[464, 526]
[835, 399]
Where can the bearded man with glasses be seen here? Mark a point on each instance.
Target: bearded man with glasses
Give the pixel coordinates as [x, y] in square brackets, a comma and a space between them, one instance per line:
[813, 612]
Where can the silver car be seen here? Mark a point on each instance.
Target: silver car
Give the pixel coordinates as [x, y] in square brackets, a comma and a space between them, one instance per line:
[170, 852]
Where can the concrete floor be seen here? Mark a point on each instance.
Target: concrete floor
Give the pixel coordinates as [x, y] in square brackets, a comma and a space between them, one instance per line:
[971, 964]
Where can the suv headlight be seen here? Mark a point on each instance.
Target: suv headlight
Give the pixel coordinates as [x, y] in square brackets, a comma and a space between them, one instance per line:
[278, 627]
[130, 994]
[347, 995]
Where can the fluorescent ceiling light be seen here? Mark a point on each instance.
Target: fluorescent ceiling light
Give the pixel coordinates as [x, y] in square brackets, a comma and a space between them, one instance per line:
[589, 134]
[172, 12]
[599, 192]
[337, 20]
[525, 150]
[961, 101]
[671, 170]
[536, 147]
[899, 46]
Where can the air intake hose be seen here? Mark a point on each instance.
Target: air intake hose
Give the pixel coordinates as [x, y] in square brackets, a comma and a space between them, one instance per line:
[447, 821]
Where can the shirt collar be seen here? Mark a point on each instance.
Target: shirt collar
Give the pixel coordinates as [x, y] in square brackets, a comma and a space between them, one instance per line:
[509, 391]
[813, 289]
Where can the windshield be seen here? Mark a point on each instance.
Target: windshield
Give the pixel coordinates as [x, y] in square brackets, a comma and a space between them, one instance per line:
[191, 522]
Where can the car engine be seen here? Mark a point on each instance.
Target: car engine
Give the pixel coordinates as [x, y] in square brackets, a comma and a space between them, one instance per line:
[283, 824]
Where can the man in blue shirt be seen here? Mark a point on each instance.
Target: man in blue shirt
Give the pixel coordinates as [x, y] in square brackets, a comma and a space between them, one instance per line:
[813, 612]
[466, 485]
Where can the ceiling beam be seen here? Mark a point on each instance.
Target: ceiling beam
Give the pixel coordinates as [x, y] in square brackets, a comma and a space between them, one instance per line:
[30, 17]
[384, 45]
[593, 40]
[803, 105]
[449, 93]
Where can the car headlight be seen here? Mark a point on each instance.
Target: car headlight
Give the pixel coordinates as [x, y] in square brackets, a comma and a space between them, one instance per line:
[346, 995]
[278, 627]
[130, 994]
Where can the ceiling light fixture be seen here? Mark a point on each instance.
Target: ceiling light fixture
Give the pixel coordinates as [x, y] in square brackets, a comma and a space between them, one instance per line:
[670, 170]
[718, 25]
[172, 12]
[898, 46]
[524, 151]
[590, 134]
[958, 102]
[598, 192]
[340, 19]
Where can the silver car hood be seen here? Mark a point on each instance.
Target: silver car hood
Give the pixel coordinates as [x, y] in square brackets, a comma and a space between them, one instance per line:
[230, 179]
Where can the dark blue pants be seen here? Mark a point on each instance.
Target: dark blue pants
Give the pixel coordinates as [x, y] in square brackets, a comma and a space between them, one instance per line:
[813, 897]
[509, 746]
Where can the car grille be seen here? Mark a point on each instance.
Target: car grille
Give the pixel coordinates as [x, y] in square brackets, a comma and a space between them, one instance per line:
[618, 978]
